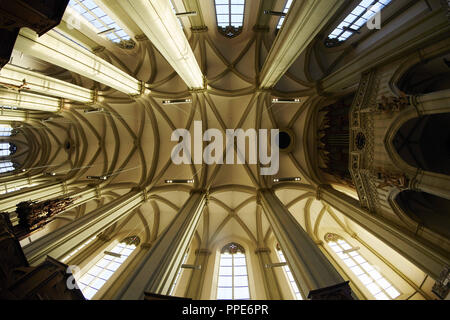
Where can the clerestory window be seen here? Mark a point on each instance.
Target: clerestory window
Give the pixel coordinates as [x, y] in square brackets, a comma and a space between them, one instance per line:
[230, 16]
[364, 11]
[102, 22]
[289, 276]
[379, 287]
[94, 279]
[233, 277]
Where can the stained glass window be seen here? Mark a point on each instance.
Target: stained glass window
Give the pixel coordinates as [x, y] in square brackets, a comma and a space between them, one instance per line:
[233, 278]
[379, 287]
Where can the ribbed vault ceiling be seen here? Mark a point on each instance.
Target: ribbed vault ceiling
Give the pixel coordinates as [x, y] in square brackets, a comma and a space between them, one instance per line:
[130, 141]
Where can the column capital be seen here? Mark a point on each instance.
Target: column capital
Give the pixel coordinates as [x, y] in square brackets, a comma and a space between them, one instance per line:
[146, 245]
[141, 38]
[199, 29]
[262, 250]
[103, 237]
[202, 252]
[319, 190]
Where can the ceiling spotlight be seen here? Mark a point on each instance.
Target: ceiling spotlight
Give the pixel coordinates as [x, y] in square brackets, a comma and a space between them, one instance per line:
[97, 177]
[180, 181]
[177, 101]
[289, 179]
[282, 100]
[94, 110]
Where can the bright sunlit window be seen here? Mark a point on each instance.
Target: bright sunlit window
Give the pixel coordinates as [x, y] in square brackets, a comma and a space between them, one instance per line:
[288, 272]
[178, 275]
[357, 18]
[233, 278]
[104, 268]
[285, 10]
[7, 149]
[230, 16]
[99, 19]
[378, 286]
[5, 130]
[6, 166]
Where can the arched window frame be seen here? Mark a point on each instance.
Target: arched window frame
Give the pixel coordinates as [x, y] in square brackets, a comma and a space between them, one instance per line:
[354, 21]
[378, 286]
[231, 263]
[105, 266]
[103, 23]
[287, 272]
[233, 27]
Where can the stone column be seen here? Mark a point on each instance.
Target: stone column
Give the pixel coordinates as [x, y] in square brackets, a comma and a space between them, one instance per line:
[271, 284]
[314, 274]
[432, 183]
[58, 50]
[270, 280]
[432, 103]
[29, 101]
[160, 25]
[425, 256]
[42, 84]
[304, 21]
[61, 241]
[46, 190]
[195, 285]
[157, 269]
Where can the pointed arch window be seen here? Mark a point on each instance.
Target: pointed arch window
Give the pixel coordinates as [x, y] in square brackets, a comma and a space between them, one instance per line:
[5, 130]
[288, 273]
[233, 276]
[106, 266]
[102, 22]
[285, 10]
[230, 16]
[365, 10]
[379, 287]
[7, 149]
[6, 166]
